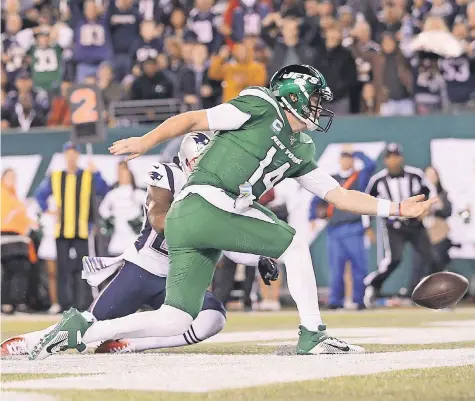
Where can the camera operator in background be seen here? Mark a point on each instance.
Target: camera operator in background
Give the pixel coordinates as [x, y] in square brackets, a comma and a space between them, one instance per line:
[121, 211]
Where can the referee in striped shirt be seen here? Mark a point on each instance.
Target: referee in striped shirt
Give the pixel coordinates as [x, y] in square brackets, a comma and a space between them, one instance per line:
[395, 183]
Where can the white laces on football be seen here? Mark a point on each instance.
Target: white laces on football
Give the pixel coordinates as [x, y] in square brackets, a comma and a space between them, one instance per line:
[121, 349]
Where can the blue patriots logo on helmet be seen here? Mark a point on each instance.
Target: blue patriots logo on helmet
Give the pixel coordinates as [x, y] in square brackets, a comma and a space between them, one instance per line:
[155, 175]
[201, 140]
[192, 145]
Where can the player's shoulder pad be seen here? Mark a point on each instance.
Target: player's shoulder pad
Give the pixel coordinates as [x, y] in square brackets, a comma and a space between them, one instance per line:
[162, 175]
[260, 95]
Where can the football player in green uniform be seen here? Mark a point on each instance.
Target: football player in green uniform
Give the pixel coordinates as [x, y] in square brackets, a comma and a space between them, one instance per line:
[259, 144]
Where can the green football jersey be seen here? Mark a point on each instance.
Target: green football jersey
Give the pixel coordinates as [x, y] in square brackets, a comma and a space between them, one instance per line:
[263, 151]
[46, 67]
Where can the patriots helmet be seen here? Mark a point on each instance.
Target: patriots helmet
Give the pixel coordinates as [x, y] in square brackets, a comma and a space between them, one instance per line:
[191, 147]
[300, 89]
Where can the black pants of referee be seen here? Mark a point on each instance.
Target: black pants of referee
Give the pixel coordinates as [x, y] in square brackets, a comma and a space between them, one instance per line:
[395, 236]
[73, 291]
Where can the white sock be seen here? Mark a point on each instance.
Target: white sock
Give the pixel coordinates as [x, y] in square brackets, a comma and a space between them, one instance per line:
[164, 322]
[208, 323]
[35, 336]
[301, 282]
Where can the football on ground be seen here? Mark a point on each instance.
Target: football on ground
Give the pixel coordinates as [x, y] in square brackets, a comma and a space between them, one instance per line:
[440, 290]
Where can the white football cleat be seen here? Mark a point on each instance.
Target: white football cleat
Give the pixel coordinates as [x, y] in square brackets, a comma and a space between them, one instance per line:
[370, 297]
[318, 342]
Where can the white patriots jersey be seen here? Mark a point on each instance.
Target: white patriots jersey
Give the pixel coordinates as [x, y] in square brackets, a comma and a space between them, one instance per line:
[150, 250]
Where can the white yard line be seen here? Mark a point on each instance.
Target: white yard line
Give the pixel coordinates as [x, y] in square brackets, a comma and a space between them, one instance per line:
[16, 396]
[201, 373]
[461, 331]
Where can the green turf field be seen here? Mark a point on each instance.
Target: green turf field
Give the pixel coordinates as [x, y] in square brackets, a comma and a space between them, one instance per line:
[414, 354]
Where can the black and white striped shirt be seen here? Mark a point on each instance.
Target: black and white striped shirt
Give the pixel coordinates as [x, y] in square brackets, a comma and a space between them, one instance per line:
[410, 182]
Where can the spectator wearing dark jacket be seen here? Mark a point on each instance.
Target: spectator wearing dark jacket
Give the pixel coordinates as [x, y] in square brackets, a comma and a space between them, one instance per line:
[25, 107]
[123, 20]
[24, 113]
[368, 65]
[152, 84]
[148, 45]
[13, 51]
[337, 65]
[195, 87]
[289, 8]
[419, 11]
[247, 19]
[389, 20]
[150, 10]
[285, 43]
[396, 83]
[177, 25]
[310, 29]
[111, 91]
[201, 21]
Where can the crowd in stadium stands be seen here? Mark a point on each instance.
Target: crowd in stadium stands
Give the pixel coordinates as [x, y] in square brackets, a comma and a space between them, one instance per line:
[202, 52]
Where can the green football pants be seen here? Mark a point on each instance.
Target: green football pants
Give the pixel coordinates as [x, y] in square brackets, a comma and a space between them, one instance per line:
[197, 232]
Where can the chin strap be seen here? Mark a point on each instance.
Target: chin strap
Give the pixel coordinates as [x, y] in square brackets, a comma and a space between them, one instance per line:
[285, 104]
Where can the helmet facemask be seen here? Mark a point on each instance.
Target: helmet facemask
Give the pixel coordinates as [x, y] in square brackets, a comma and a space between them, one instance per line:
[311, 111]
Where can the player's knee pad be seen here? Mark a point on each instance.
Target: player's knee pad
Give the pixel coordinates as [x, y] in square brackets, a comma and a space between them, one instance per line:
[179, 322]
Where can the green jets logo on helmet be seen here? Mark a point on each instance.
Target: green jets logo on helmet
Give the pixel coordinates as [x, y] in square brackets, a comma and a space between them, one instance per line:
[301, 89]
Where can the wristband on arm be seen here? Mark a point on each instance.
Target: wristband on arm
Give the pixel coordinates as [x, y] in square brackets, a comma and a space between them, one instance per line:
[384, 208]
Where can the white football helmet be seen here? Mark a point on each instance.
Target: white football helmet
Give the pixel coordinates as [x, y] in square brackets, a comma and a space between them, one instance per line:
[191, 147]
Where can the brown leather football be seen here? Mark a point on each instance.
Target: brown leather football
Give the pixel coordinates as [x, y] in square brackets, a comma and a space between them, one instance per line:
[440, 290]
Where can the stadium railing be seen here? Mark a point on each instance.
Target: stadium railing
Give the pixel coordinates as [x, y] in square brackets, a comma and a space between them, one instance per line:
[134, 112]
